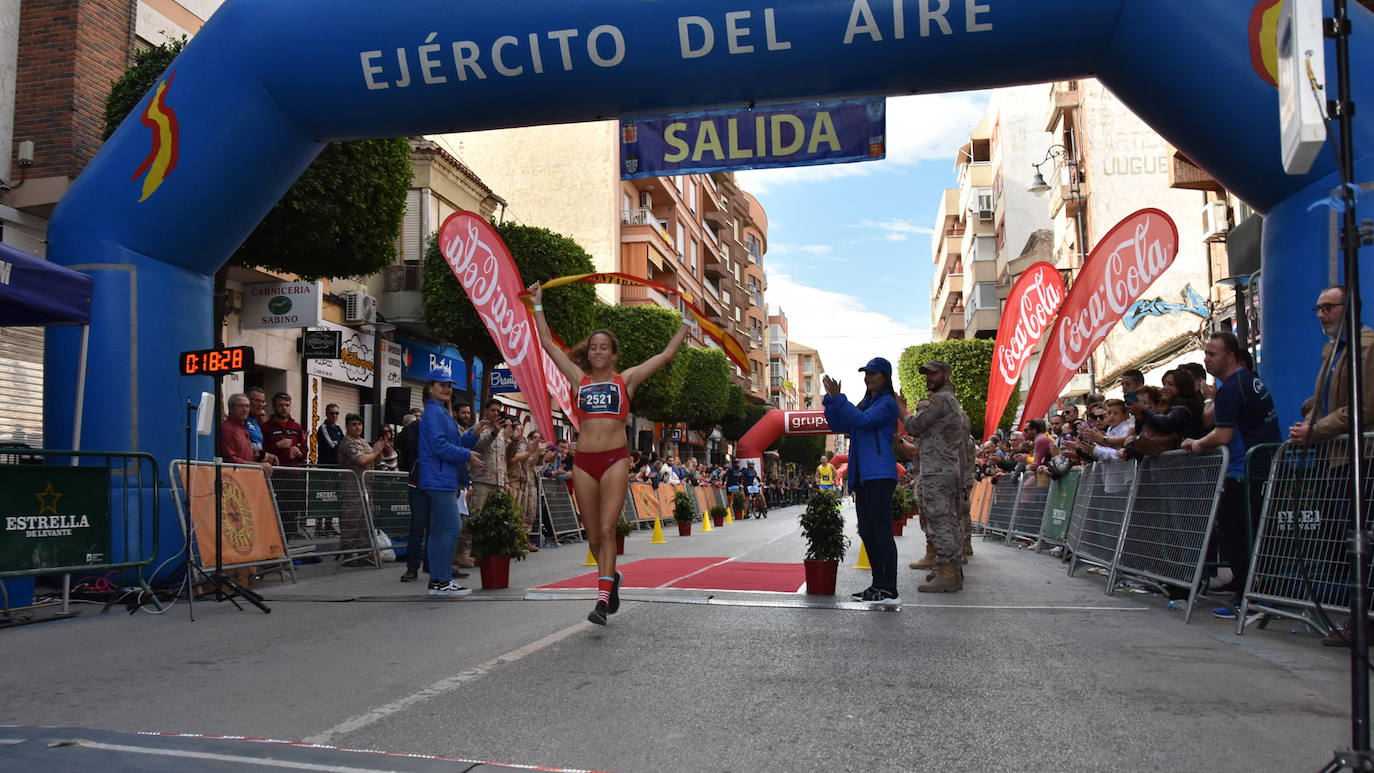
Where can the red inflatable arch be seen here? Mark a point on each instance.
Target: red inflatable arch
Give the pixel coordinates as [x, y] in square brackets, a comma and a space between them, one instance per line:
[777, 423]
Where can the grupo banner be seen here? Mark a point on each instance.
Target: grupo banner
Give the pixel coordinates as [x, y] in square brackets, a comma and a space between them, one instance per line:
[1133, 254]
[1034, 299]
[827, 132]
[487, 273]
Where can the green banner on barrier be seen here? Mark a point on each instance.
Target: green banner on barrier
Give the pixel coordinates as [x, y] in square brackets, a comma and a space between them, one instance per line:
[54, 516]
[1059, 506]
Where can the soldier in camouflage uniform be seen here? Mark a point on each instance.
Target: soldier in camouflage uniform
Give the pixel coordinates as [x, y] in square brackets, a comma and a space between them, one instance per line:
[968, 452]
[940, 426]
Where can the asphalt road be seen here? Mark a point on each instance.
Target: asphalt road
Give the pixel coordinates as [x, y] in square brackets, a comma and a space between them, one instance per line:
[1027, 669]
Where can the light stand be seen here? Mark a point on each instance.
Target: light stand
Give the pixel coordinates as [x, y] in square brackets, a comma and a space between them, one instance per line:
[1357, 756]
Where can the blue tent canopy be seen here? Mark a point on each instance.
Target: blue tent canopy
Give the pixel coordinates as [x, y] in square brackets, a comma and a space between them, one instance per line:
[36, 292]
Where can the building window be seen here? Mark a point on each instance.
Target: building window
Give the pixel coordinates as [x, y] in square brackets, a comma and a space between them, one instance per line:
[681, 237]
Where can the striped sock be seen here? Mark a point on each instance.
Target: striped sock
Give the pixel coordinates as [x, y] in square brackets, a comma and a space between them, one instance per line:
[603, 589]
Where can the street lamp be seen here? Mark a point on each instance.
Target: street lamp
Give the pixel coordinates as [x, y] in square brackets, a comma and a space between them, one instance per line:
[1038, 186]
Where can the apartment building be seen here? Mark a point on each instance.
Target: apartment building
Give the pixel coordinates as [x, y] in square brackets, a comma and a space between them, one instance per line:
[782, 386]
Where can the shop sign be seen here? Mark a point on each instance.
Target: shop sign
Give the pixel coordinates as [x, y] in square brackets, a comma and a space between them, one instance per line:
[275, 305]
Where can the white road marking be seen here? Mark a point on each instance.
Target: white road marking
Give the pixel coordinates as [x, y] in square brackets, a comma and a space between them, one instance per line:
[442, 686]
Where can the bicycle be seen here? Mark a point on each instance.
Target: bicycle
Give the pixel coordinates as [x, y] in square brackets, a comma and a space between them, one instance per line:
[758, 506]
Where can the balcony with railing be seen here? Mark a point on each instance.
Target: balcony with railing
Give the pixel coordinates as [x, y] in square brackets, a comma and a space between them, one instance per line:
[639, 225]
[638, 295]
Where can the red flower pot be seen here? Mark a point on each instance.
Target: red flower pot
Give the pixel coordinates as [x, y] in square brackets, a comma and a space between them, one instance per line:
[719, 521]
[620, 544]
[897, 527]
[820, 576]
[684, 528]
[495, 571]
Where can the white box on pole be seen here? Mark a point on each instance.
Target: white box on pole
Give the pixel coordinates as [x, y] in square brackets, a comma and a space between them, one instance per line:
[1302, 122]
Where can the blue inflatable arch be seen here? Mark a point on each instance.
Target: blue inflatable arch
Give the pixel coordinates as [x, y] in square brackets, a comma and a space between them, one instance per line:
[257, 92]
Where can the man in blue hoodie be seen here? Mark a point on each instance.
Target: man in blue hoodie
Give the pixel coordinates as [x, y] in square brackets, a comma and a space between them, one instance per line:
[872, 469]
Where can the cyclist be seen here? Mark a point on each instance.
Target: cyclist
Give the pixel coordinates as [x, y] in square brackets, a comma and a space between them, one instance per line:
[757, 501]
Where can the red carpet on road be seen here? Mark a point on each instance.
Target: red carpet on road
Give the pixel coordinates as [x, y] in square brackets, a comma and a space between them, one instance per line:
[745, 575]
[697, 574]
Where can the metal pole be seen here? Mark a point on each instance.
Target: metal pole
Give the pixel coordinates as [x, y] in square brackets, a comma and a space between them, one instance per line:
[1072, 154]
[1339, 28]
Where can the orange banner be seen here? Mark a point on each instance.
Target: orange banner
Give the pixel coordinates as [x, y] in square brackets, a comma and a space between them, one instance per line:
[665, 498]
[251, 532]
[727, 342]
[646, 502]
[978, 500]
[705, 499]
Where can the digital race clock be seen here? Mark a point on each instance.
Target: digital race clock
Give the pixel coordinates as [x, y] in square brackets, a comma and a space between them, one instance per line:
[216, 362]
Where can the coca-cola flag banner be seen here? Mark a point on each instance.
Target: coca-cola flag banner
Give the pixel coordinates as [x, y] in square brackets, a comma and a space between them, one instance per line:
[1132, 255]
[487, 272]
[1030, 309]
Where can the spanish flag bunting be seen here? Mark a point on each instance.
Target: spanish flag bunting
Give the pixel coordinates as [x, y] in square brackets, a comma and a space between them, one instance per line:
[716, 333]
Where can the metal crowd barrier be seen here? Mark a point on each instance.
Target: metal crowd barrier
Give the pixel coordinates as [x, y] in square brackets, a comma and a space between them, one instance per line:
[100, 527]
[1300, 558]
[388, 499]
[324, 512]
[1103, 498]
[1054, 529]
[252, 531]
[1001, 505]
[1164, 535]
[1029, 515]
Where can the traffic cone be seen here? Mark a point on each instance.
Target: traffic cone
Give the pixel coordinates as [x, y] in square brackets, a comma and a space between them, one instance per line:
[728, 518]
[706, 523]
[591, 560]
[863, 559]
[658, 539]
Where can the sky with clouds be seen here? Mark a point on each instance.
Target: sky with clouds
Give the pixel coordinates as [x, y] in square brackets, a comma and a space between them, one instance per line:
[849, 247]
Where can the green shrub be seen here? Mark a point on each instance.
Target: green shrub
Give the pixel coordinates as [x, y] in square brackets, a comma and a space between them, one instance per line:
[497, 529]
[823, 528]
[682, 508]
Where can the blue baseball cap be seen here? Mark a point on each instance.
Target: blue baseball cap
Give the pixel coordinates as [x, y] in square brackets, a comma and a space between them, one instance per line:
[878, 365]
[442, 375]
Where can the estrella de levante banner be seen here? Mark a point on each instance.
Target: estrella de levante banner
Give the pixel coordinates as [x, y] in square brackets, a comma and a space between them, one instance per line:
[1132, 255]
[835, 131]
[485, 269]
[1030, 310]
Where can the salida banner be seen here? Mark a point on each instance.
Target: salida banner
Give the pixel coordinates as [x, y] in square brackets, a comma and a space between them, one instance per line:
[829, 132]
[1121, 267]
[487, 272]
[1031, 306]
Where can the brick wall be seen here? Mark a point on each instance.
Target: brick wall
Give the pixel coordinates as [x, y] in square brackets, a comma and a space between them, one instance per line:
[69, 53]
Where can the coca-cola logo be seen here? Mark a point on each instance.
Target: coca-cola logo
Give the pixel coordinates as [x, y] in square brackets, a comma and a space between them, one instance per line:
[1033, 314]
[474, 261]
[1140, 253]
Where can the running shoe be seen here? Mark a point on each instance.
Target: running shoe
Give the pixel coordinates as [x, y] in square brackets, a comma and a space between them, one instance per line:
[449, 588]
[1224, 613]
[861, 595]
[598, 613]
[614, 605]
[884, 598]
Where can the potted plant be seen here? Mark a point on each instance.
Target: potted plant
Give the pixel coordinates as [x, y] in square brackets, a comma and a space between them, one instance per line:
[902, 500]
[718, 515]
[738, 502]
[683, 513]
[823, 529]
[498, 535]
[622, 530]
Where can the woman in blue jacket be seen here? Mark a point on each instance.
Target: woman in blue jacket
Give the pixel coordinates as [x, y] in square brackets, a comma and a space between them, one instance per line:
[872, 469]
[443, 458]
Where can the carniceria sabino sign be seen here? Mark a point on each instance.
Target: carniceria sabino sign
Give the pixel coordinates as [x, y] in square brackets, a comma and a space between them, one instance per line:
[281, 305]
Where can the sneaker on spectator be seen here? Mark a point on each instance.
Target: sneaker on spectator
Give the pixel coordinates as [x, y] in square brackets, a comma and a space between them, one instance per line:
[410, 576]
[1224, 613]
[884, 598]
[861, 595]
[449, 588]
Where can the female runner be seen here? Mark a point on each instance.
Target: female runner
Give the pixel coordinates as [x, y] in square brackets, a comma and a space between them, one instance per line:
[601, 404]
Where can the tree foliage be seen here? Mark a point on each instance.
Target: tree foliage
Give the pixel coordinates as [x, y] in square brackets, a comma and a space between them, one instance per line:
[735, 403]
[539, 254]
[644, 331]
[705, 394]
[734, 429]
[801, 450]
[971, 360]
[339, 219]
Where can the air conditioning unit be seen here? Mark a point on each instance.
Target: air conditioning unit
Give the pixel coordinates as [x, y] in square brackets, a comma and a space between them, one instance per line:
[646, 201]
[1214, 221]
[359, 307]
[985, 214]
